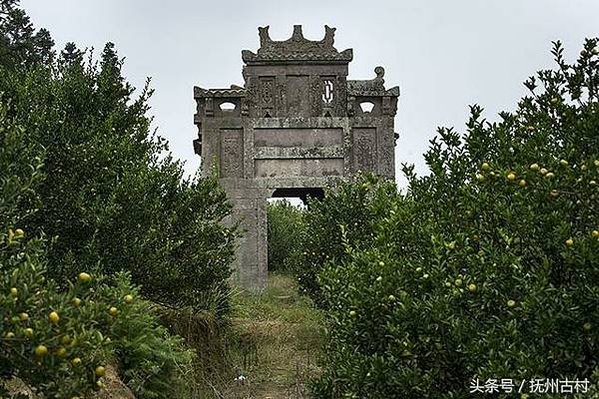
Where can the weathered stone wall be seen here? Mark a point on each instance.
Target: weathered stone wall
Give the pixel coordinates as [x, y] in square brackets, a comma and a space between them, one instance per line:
[297, 123]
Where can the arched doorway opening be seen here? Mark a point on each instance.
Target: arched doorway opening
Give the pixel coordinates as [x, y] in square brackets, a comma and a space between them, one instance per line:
[286, 228]
[293, 194]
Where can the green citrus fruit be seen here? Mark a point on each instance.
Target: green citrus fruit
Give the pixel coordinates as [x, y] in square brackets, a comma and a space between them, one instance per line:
[100, 371]
[54, 318]
[41, 351]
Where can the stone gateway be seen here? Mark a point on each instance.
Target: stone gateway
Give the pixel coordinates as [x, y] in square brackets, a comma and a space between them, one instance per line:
[297, 125]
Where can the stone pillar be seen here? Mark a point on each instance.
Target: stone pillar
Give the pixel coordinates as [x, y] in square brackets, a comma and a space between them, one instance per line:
[250, 268]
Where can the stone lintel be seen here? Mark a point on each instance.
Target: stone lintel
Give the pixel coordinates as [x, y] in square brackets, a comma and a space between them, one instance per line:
[298, 152]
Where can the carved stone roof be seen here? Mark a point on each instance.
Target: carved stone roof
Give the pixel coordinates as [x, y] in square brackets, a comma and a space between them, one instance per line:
[233, 91]
[296, 49]
[372, 87]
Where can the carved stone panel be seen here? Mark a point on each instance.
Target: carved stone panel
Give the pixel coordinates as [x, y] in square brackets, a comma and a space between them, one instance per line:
[209, 108]
[387, 105]
[340, 97]
[281, 95]
[364, 149]
[267, 95]
[252, 100]
[315, 96]
[386, 152]
[231, 153]
[267, 91]
[298, 98]
[328, 91]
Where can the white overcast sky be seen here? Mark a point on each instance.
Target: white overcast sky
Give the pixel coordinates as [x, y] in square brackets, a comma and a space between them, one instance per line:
[444, 55]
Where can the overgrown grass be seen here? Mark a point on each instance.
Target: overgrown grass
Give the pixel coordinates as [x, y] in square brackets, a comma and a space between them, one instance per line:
[275, 342]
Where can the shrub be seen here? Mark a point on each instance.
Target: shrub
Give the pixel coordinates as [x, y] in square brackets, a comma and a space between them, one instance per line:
[154, 364]
[59, 342]
[113, 198]
[487, 268]
[55, 339]
[347, 216]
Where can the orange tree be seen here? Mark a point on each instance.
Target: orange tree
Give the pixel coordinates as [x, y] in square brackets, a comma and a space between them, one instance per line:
[59, 341]
[486, 268]
[112, 196]
[348, 217]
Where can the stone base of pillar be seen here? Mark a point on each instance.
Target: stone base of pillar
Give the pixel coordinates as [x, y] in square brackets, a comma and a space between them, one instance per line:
[250, 267]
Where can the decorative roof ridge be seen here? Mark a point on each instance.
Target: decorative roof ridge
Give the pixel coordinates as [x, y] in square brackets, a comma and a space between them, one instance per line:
[297, 48]
[296, 38]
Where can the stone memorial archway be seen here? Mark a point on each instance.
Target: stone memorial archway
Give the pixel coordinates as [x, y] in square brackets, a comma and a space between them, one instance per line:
[297, 124]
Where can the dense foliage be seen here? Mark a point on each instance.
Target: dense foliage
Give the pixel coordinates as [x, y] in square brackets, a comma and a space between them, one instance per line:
[86, 187]
[348, 216]
[20, 43]
[109, 197]
[487, 268]
[285, 236]
[59, 341]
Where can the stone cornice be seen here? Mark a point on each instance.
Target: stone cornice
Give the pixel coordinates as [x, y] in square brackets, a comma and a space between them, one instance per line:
[233, 91]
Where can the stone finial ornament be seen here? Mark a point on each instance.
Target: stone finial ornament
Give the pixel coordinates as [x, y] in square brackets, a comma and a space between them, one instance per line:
[264, 36]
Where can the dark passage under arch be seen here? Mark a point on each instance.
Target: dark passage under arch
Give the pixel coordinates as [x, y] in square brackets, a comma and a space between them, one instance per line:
[299, 192]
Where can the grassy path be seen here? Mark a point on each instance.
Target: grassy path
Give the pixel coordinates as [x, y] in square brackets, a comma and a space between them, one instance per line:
[280, 335]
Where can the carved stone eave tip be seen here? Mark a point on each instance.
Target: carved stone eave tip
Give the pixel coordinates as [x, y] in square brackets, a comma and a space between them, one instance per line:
[394, 91]
[198, 91]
